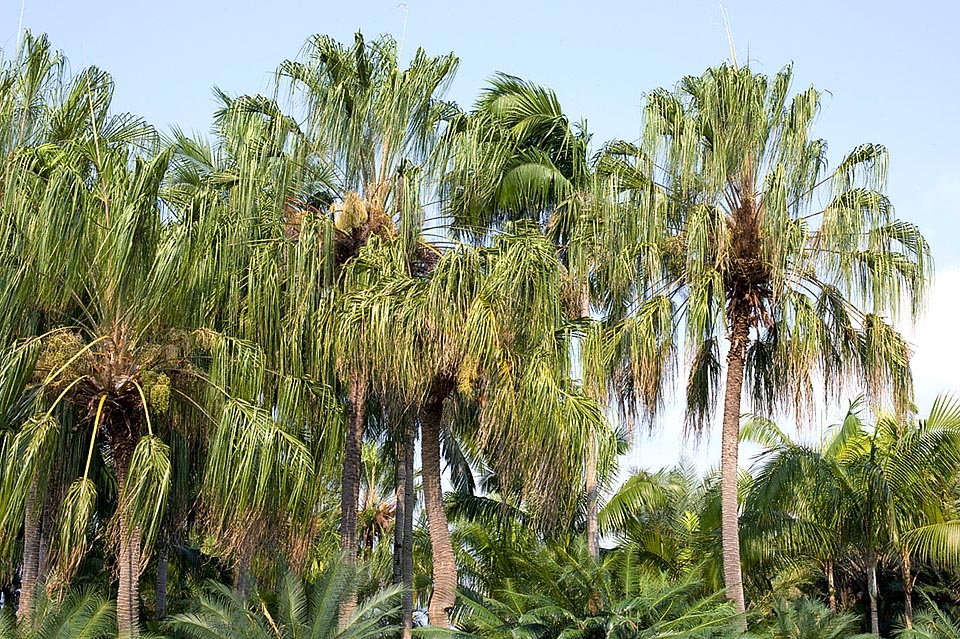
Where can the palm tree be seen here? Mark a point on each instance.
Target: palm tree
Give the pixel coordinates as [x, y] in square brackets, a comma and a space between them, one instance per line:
[558, 590]
[376, 124]
[664, 520]
[516, 157]
[808, 619]
[883, 490]
[250, 189]
[301, 610]
[80, 613]
[736, 231]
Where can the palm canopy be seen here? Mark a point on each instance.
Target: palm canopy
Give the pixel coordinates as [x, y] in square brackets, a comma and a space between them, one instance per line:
[492, 321]
[515, 156]
[302, 610]
[732, 224]
[376, 125]
[885, 490]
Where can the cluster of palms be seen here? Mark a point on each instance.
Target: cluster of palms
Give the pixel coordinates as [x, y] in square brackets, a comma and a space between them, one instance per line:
[218, 355]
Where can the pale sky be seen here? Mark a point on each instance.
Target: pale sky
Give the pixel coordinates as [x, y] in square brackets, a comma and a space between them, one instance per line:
[891, 70]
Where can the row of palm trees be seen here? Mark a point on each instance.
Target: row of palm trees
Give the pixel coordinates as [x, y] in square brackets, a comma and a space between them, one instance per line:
[202, 336]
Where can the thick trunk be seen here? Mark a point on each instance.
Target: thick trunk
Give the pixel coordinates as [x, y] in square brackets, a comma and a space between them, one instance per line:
[128, 557]
[356, 405]
[444, 564]
[593, 534]
[831, 586]
[730, 527]
[31, 550]
[163, 563]
[907, 589]
[872, 592]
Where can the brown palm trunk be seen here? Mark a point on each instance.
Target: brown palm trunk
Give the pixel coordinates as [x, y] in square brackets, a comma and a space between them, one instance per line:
[831, 587]
[593, 529]
[128, 556]
[356, 407]
[403, 525]
[872, 592]
[54, 497]
[163, 564]
[730, 527]
[409, 497]
[31, 551]
[444, 563]
[399, 450]
[907, 589]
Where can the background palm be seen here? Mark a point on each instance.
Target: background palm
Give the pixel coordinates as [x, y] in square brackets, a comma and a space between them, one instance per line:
[735, 231]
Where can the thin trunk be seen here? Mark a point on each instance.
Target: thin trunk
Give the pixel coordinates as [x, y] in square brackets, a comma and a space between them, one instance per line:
[409, 498]
[356, 406]
[163, 563]
[590, 464]
[872, 592]
[593, 534]
[907, 589]
[399, 450]
[444, 564]
[128, 556]
[54, 497]
[241, 570]
[730, 527]
[31, 550]
[831, 586]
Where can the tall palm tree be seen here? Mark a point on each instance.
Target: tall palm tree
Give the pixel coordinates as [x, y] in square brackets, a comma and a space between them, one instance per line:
[736, 232]
[376, 124]
[518, 156]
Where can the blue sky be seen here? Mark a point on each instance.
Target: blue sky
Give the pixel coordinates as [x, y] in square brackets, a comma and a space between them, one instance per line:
[891, 70]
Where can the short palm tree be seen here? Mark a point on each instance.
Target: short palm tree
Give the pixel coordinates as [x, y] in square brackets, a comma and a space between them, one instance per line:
[733, 231]
[301, 610]
[808, 619]
[78, 614]
[881, 490]
[559, 590]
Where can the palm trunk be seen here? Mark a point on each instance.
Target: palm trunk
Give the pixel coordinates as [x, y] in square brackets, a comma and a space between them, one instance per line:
[31, 551]
[400, 456]
[241, 570]
[831, 587]
[356, 407]
[54, 497]
[907, 589]
[730, 527]
[409, 497]
[590, 464]
[444, 564]
[872, 592]
[593, 534]
[163, 564]
[128, 556]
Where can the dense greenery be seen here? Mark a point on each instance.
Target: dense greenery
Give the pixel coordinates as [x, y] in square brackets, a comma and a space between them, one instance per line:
[217, 357]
